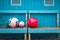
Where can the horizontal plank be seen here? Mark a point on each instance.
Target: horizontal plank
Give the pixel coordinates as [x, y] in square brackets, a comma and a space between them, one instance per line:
[30, 30]
[13, 11]
[43, 11]
[13, 30]
[44, 30]
[30, 11]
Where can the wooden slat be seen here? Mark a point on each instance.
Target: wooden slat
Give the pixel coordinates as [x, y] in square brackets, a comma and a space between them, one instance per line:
[25, 36]
[44, 30]
[13, 30]
[29, 36]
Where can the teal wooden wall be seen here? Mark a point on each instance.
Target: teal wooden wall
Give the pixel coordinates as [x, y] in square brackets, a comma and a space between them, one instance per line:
[28, 5]
[31, 5]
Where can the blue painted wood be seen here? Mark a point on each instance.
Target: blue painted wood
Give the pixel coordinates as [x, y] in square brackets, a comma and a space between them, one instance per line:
[4, 18]
[13, 30]
[45, 19]
[44, 30]
[30, 11]
[29, 5]
[13, 11]
[59, 20]
[42, 35]
[44, 11]
[12, 36]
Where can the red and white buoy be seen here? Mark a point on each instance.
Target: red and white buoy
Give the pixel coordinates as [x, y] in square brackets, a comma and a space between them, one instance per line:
[21, 24]
[12, 22]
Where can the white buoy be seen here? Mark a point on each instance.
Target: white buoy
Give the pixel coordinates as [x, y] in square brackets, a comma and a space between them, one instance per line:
[21, 24]
[12, 22]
